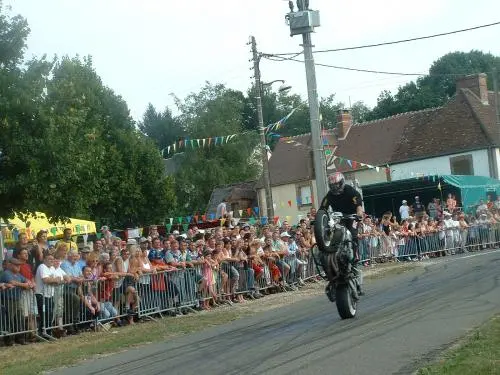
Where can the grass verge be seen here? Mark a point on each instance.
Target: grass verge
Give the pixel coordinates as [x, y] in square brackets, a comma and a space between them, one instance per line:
[477, 354]
[37, 358]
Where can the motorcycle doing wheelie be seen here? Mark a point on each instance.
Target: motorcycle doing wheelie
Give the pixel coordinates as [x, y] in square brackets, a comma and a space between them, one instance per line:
[334, 254]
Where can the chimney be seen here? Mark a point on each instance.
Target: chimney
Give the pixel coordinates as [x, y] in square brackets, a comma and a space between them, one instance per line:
[475, 83]
[344, 123]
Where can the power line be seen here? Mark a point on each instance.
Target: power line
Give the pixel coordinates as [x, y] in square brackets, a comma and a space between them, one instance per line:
[278, 58]
[393, 42]
[351, 69]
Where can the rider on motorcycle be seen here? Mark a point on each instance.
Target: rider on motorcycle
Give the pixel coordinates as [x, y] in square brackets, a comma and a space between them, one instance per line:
[344, 198]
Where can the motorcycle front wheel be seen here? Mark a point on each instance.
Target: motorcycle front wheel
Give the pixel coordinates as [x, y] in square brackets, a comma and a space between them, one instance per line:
[346, 305]
[322, 230]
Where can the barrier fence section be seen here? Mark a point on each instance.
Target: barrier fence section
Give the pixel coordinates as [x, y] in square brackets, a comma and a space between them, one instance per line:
[414, 246]
[53, 309]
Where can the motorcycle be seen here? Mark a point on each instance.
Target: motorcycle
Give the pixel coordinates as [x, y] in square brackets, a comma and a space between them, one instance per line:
[334, 254]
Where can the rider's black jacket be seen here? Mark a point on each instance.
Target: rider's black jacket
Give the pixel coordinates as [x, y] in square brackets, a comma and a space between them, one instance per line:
[346, 202]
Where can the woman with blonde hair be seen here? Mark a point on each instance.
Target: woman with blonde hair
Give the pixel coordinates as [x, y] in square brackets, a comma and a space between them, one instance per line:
[130, 269]
[93, 264]
[61, 251]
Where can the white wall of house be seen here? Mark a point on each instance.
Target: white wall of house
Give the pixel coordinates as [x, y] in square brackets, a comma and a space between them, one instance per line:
[290, 192]
[442, 165]
[497, 156]
[367, 176]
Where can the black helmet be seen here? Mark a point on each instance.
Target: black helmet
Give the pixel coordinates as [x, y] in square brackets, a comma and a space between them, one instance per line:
[336, 183]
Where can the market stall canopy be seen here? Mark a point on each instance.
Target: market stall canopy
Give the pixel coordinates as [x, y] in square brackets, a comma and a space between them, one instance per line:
[34, 223]
[387, 196]
[474, 188]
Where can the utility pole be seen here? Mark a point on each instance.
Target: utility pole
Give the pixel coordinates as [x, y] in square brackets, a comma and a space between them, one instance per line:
[269, 213]
[312, 96]
[303, 22]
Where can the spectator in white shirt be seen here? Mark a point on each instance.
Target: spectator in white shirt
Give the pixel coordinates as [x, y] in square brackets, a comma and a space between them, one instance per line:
[45, 280]
[404, 211]
[221, 209]
[449, 225]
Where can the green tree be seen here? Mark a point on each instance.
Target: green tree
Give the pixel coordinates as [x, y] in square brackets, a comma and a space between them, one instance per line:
[215, 111]
[14, 31]
[329, 109]
[270, 111]
[21, 133]
[109, 169]
[299, 122]
[438, 87]
[360, 112]
[162, 127]
[135, 190]
[68, 145]
[275, 106]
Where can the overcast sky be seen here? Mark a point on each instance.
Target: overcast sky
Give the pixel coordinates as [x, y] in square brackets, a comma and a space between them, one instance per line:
[147, 49]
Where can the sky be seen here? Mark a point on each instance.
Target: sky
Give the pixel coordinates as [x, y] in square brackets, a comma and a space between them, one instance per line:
[147, 49]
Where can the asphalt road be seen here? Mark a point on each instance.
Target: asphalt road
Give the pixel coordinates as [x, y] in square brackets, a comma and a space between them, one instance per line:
[402, 321]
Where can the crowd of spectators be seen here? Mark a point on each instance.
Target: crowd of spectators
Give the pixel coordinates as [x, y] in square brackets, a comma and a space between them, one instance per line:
[424, 231]
[51, 289]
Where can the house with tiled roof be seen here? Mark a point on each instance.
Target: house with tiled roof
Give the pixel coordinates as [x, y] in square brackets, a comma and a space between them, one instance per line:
[460, 138]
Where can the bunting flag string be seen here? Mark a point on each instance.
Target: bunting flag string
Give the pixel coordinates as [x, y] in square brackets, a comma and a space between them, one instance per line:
[280, 123]
[353, 164]
[253, 219]
[192, 143]
[188, 143]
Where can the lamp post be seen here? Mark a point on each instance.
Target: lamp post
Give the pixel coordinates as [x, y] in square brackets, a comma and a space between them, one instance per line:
[283, 88]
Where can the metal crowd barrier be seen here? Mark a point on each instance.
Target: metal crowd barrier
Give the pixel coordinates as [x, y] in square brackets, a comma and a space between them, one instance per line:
[17, 315]
[411, 246]
[97, 303]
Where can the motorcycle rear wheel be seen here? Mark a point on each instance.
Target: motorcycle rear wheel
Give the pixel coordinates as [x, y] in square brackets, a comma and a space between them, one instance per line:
[321, 230]
[346, 305]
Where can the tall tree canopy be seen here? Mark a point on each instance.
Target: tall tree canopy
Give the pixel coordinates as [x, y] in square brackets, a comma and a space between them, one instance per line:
[68, 144]
[214, 111]
[162, 127]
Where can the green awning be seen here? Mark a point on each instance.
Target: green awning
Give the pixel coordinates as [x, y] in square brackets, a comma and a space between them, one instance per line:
[474, 188]
[387, 196]
[471, 182]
